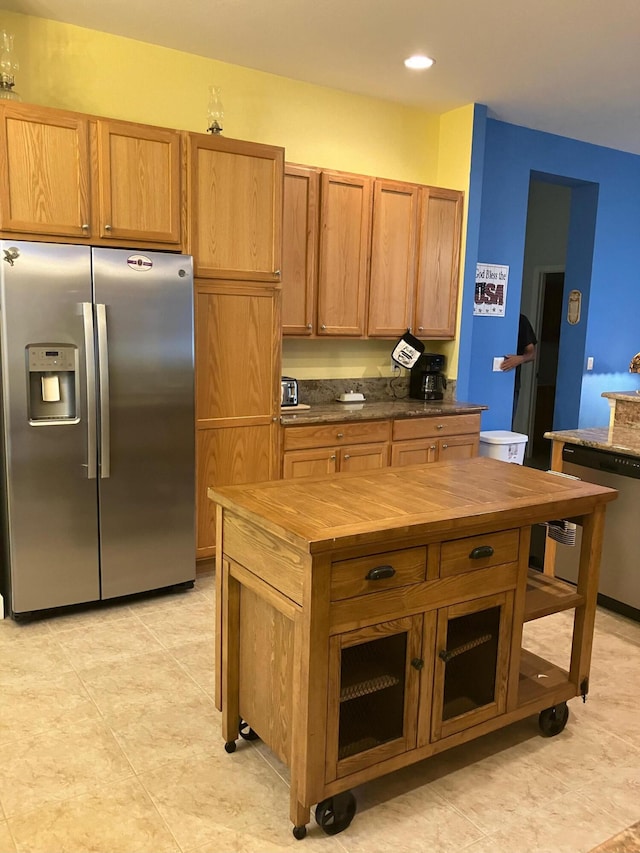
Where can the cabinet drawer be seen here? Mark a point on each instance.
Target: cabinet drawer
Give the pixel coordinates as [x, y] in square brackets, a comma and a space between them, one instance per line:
[478, 552]
[350, 577]
[335, 434]
[435, 427]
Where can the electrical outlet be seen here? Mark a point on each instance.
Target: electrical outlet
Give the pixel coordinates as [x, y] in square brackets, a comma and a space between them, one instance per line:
[497, 362]
[395, 368]
[590, 363]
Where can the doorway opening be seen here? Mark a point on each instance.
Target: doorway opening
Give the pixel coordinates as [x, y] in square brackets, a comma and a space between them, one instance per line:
[544, 385]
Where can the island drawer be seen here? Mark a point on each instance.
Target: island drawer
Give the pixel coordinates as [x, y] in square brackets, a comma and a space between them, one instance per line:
[377, 572]
[478, 552]
[335, 434]
[435, 427]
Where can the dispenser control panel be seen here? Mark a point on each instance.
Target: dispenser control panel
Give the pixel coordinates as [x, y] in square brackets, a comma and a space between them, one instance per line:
[51, 358]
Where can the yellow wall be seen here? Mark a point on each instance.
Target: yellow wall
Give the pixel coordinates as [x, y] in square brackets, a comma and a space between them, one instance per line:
[84, 70]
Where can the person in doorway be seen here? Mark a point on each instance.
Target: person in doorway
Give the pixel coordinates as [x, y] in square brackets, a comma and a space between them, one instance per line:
[526, 351]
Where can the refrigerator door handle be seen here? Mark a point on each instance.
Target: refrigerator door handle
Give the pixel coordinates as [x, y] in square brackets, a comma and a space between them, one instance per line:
[103, 366]
[90, 371]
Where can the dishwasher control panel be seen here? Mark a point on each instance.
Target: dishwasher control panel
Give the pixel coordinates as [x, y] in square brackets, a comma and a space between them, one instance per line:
[602, 460]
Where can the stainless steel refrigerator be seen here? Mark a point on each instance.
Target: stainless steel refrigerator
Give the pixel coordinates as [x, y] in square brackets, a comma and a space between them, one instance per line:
[97, 409]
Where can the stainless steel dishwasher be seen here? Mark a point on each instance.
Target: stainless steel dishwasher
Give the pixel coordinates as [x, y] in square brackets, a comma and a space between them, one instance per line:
[619, 587]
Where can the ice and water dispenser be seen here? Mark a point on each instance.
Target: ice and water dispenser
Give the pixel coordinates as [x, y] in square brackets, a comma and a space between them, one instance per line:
[53, 386]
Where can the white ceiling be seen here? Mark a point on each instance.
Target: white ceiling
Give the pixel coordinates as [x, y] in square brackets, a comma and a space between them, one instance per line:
[570, 67]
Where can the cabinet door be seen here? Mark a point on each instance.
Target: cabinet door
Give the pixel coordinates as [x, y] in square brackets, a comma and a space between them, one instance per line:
[393, 258]
[44, 177]
[413, 452]
[374, 676]
[139, 182]
[300, 249]
[309, 463]
[345, 224]
[237, 392]
[472, 661]
[438, 263]
[236, 208]
[364, 457]
[458, 447]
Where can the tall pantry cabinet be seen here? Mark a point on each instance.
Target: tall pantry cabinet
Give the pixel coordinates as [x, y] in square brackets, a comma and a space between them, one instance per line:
[235, 237]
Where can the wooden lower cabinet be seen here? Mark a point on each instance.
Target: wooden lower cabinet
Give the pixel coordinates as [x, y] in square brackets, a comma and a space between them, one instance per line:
[237, 392]
[318, 449]
[355, 641]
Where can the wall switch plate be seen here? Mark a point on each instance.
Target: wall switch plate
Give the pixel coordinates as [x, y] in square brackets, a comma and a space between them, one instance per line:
[395, 367]
[497, 362]
[590, 363]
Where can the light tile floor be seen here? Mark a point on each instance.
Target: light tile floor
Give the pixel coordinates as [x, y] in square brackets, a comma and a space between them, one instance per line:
[110, 742]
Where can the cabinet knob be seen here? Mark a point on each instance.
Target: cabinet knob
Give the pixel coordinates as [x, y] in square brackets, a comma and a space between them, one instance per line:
[347, 456]
[440, 426]
[274, 419]
[309, 326]
[85, 227]
[417, 663]
[323, 327]
[379, 573]
[333, 458]
[433, 447]
[340, 435]
[444, 446]
[480, 552]
[277, 272]
[421, 328]
[107, 228]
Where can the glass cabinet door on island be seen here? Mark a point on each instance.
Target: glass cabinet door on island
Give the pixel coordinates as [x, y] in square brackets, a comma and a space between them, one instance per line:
[374, 676]
[471, 667]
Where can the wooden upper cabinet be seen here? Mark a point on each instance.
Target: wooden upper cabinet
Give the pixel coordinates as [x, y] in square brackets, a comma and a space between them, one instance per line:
[44, 174]
[235, 208]
[139, 182]
[299, 249]
[438, 263]
[345, 225]
[393, 258]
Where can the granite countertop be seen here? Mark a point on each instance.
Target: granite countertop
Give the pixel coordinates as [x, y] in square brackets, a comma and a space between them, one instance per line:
[632, 396]
[375, 410]
[616, 439]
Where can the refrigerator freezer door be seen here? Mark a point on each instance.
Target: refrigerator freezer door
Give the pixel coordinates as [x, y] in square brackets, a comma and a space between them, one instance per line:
[147, 470]
[51, 536]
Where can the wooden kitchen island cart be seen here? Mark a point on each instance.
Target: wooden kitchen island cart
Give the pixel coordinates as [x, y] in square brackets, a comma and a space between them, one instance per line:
[366, 621]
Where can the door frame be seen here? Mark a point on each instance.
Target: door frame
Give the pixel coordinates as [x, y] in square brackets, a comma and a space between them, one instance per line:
[530, 379]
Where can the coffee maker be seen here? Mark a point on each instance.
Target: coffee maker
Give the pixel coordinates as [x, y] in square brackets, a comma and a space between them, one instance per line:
[427, 380]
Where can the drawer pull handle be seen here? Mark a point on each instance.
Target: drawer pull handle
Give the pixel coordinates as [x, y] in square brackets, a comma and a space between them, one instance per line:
[379, 573]
[466, 647]
[340, 435]
[480, 552]
[440, 426]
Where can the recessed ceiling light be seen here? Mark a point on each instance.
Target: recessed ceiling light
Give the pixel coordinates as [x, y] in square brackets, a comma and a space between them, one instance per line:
[419, 62]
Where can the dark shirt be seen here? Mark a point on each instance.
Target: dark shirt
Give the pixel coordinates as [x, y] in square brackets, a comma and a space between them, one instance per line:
[526, 336]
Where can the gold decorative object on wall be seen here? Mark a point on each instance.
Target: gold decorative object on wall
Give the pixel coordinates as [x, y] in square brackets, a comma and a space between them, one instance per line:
[574, 306]
[634, 367]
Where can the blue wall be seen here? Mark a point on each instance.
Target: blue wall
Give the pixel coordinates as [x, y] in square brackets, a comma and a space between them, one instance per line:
[603, 261]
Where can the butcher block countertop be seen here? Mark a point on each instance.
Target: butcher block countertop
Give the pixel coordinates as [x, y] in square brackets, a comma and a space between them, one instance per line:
[458, 497]
[375, 410]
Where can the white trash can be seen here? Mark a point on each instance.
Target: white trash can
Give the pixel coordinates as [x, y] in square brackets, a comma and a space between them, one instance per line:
[503, 444]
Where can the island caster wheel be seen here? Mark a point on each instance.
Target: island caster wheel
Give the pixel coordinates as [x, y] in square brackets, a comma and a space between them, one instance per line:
[247, 732]
[553, 720]
[336, 813]
[230, 746]
[299, 832]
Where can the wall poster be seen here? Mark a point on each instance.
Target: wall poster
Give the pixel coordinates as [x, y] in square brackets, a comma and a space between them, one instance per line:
[491, 290]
